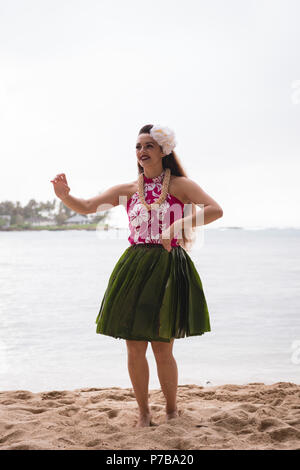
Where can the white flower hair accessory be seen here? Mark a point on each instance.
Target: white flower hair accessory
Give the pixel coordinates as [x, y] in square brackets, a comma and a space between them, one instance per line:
[165, 137]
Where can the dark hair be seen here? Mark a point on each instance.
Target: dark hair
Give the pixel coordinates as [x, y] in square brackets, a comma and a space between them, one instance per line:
[172, 161]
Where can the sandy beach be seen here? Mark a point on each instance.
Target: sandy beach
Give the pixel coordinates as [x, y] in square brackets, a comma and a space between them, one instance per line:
[252, 416]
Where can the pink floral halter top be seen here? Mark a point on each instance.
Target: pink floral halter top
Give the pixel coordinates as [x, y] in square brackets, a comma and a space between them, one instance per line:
[146, 226]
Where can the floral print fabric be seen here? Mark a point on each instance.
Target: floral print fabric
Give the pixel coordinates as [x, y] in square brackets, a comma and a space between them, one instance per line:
[146, 226]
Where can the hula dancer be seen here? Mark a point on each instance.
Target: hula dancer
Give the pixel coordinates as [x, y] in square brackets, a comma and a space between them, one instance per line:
[154, 293]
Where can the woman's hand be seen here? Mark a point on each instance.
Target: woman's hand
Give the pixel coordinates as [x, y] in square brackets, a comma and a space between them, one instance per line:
[166, 238]
[60, 185]
[174, 230]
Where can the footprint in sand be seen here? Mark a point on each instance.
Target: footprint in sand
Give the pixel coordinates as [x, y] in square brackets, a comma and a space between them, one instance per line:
[268, 423]
[34, 411]
[69, 412]
[103, 408]
[231, 421]
[93, 443]
[12, 435]
[66, 402]
[63, 440]
[157, 407]
[247, 407]
[113, 413]
[286, 433]
[24, 446]
[21, 395]
[53, 395]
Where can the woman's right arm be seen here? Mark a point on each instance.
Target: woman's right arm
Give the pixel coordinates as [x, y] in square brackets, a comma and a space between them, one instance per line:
[103, 202]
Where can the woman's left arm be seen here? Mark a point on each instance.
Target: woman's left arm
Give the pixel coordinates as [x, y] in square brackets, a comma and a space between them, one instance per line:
[210, 210]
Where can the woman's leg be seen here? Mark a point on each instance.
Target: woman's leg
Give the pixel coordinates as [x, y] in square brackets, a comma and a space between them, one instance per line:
[139, 374]
[167, 373]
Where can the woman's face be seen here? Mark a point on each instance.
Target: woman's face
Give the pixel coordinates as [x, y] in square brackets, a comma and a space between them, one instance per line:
[147, 146]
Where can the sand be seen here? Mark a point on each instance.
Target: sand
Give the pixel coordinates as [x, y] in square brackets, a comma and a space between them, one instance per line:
[252, 416]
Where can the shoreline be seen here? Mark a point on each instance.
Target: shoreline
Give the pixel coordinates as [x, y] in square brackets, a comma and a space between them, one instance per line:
[55, 228]
[91, 227]
[250, 416]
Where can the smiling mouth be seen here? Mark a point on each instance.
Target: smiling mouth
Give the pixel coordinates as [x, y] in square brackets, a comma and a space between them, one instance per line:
[144, 158]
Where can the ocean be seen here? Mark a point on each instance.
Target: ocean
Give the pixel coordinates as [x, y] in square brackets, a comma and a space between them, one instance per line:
[51, 288]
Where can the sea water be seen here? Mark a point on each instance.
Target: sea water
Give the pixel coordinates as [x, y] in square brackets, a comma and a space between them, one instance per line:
[52, 284]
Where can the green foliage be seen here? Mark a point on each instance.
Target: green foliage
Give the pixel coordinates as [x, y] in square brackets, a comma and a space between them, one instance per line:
[22, 217]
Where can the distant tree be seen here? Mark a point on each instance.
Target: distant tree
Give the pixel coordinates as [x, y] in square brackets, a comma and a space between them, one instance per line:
[6, 208]
[63, 213]
[100, 217]
[30, 211]
[9, 208]
[19, 219]
[49, 210]
[17, 214]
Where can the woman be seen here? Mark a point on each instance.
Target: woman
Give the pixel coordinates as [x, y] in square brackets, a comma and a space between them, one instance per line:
[154, 293]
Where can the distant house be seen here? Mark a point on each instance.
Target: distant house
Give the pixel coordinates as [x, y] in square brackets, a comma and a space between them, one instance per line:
[78, 219]
[39, 222]
[6, 219]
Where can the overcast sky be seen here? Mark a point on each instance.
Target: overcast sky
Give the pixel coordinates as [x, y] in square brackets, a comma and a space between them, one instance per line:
[78, 80]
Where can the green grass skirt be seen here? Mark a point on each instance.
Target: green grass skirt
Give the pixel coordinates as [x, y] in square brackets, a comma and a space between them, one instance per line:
[153, 295]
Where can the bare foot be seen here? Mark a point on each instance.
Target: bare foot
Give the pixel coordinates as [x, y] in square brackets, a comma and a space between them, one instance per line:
[172, 414]
[143, 421]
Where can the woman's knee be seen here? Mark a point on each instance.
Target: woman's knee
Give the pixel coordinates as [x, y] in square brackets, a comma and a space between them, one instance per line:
[162, 351]
[136, 348]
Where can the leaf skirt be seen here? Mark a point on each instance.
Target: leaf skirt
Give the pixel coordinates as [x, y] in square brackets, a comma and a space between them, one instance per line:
[153, 295]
